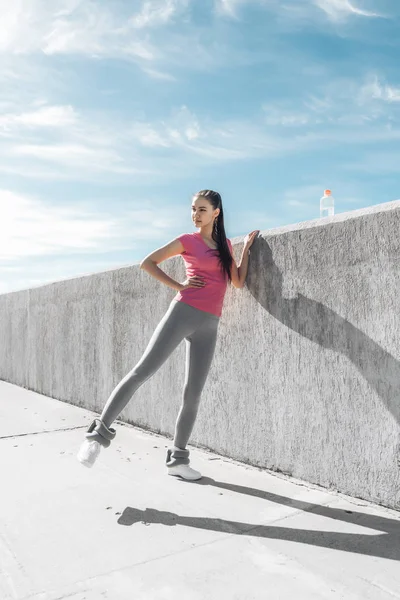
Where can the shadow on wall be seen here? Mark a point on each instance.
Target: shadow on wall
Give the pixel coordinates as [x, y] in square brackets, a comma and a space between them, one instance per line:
[383, 546]
[320, 324]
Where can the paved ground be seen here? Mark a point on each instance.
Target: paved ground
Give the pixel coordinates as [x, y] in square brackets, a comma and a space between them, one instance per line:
[124, 530]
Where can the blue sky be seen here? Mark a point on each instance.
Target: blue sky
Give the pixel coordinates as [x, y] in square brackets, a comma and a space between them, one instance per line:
[112, 114]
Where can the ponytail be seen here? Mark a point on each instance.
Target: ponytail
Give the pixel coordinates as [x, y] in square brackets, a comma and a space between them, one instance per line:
[218, 233]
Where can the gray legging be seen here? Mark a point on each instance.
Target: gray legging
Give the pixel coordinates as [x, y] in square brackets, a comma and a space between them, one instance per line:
[181, 321]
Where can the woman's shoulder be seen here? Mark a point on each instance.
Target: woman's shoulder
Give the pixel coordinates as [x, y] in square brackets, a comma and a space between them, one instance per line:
[187, 236]
[187, 240]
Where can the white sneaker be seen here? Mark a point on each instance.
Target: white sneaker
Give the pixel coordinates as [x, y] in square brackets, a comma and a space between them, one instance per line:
[185, 472]
[88, 452]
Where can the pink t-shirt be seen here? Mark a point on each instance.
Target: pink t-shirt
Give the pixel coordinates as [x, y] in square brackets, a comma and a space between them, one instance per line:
[204, 262]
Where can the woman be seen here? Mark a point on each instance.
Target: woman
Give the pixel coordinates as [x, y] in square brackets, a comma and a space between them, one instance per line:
[193, 315]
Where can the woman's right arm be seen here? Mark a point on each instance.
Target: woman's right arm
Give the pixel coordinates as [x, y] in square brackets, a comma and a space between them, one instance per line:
[171, 249]
[151, 261]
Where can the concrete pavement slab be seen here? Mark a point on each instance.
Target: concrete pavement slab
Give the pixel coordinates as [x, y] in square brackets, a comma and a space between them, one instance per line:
[125, 530]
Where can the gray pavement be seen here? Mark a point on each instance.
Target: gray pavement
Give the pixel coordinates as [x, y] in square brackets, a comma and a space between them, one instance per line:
[125, 530]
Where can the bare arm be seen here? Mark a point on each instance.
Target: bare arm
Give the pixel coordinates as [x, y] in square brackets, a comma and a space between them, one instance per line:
[243, 266]
[239, 272]
[151, 261]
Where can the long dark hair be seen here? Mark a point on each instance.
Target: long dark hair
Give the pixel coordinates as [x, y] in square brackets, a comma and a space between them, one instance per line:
[218, 233]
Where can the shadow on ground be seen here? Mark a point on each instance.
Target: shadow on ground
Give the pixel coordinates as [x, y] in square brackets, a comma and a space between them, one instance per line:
[384, 544]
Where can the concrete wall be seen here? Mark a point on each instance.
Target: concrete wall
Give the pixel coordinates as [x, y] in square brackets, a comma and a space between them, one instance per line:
[306, 376]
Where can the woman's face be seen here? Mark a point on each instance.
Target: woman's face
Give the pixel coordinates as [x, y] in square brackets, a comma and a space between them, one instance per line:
[203, 212]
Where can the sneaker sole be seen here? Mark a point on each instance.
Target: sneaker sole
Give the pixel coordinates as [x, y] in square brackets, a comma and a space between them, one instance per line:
[184, 478]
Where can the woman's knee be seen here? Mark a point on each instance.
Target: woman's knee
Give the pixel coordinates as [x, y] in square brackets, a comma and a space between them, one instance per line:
[136, 377]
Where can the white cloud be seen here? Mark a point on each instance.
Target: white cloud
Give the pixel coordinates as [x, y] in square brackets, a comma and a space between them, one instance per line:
[47, 116]
[278, 115]
[319, 104]
[140, 33]
[340, 103]
[21, 29]
[76, 27]
[204, 142]
[101, 30]
[70, 155]
[30, 227]
[58, 142]
[338, 10]
[348, 101]
[374, 89]
[42, 241]
[228, 7]
[151, 138]
[52, 142]
[392, 94]
[83, 145]
[157, 12]
[154, 74]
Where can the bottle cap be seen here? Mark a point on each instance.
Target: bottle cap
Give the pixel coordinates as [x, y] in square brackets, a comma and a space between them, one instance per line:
[327, 192]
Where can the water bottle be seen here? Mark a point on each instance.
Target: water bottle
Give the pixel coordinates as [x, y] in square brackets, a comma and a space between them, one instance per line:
[327, 204]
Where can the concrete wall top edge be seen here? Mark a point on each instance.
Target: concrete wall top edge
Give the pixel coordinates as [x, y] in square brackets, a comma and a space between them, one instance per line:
[321, 222]
[314, 223]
